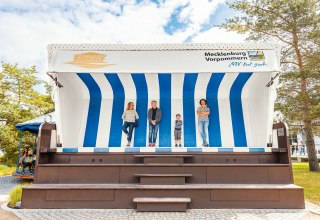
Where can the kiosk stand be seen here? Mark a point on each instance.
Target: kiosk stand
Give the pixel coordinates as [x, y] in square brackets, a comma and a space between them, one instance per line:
[83, 161]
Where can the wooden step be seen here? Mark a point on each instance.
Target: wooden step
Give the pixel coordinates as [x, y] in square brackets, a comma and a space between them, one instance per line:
[163, 158]
[160, 179]
[202, 173]
[203, 196]
[154, 204]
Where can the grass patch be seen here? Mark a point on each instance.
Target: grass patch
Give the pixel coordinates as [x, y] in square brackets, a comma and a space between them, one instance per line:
[5, 170]
[16, 195]
[307, 179]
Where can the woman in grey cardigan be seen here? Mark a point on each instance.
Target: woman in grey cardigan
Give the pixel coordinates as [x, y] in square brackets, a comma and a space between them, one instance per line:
[154, 117]
[129, 116]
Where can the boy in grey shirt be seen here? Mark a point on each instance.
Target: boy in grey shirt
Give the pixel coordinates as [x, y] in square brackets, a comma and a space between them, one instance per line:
[177, 130]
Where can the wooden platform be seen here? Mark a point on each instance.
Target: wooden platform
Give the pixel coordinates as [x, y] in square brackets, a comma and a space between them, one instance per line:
[163, 181]
[201, 195]
[128, 181]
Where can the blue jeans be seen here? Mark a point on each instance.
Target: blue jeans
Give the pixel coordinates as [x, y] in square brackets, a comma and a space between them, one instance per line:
[125, 129]
[153, 131]
[203, 129]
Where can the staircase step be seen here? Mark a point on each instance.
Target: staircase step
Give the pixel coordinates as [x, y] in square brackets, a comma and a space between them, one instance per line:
[120, 196]
[168, 204]
[163, 158]
[160, 179]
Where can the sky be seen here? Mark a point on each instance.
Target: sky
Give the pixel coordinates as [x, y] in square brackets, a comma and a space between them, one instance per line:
[28, 26]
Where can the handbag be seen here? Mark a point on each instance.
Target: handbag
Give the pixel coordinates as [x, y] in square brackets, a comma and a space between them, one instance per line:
[136, 123]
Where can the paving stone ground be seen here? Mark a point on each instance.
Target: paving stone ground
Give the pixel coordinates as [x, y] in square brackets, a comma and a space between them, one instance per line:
[7, 183]
[311, 212]
[234, 214]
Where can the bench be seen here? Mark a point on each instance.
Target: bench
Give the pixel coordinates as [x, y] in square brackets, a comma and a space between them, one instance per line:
[163, 159]
[159, 179]
[169, 204]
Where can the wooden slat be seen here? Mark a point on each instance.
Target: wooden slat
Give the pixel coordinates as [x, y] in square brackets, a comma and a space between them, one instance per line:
[163, 175]
[160, 187]
[162, 155]
[161, 200]
[156, 164]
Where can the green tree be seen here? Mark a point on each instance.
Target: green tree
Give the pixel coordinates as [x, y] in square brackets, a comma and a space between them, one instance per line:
[295, 25]
[19, 102]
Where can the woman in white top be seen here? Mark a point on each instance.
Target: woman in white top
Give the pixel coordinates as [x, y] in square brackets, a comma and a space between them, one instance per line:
[129, 116]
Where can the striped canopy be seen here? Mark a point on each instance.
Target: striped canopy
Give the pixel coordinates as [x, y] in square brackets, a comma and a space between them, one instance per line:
[100, 79]
[91, 106]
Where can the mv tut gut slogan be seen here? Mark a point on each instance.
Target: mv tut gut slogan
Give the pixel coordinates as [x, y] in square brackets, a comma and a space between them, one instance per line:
[223, 56]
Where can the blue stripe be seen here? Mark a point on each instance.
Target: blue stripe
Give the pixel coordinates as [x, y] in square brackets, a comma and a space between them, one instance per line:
[194, 149]
[225, 150]
[189, 122]
[101, 150]
[239, 132]
[163, 150]
[70, 150]
[212, 99]
[117, 109]
[165, 106]
[256, 150]
[132, 149]
[91, 132]
[140, 133]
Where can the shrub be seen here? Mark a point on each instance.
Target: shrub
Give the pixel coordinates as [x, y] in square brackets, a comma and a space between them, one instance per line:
[5, 170]
[15, 195]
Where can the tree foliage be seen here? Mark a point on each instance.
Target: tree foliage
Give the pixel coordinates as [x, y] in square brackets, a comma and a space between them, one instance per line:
[19, 102]
[295, 25]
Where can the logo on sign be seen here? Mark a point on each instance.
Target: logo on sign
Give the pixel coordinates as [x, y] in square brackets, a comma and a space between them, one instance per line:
[89, 60]
[256, 55]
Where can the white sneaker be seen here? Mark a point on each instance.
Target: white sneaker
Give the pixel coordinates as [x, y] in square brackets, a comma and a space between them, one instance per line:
[128, 144]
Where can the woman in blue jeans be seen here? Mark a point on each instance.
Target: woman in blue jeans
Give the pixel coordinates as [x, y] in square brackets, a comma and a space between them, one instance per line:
[154, 118]
[129, 116]
[203, 121]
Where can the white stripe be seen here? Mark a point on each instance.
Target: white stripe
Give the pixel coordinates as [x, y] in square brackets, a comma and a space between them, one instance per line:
[200, 93]
[209, 149]
[173, 149]
[153, 94]
[147, 149]
[86, 150]
[106, 110]
[176, 102]
[227, 138]
[130, 96]
[116, 149]
[245, 109]
[74, 105]
[258, 105]
[179, 149]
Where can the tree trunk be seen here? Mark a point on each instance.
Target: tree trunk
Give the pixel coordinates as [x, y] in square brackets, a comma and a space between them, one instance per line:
[311, 150]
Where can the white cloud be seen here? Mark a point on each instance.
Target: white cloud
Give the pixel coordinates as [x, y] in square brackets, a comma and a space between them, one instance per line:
[218, 35]
[28, 26]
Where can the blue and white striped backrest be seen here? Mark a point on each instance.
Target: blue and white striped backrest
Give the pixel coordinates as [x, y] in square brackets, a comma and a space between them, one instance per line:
[90, 107]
